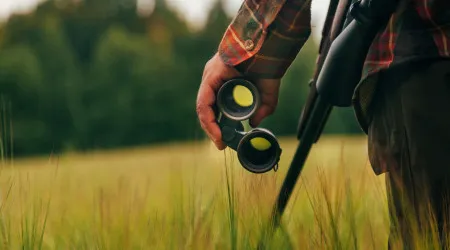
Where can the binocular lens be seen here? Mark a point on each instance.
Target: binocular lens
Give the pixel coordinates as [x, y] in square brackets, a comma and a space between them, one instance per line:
[242, 96]
[259, 151]
[260, 143]
[238, 99]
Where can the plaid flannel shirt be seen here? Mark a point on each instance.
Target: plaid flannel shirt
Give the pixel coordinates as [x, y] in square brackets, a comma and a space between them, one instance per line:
[266, 35]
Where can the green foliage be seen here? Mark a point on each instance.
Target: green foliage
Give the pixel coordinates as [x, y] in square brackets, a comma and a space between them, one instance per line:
[94, 74]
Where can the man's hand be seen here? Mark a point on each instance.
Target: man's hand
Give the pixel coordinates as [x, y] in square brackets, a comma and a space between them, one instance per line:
[215, 74]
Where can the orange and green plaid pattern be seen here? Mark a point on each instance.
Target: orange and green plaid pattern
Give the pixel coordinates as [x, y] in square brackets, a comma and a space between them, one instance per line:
[266, 35]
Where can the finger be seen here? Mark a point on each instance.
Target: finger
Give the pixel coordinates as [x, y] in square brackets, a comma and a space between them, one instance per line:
[268, 87]
[214, 75]
[205, 112]
[268, 90]
[213, 131]
[261, 113]
[210, 126]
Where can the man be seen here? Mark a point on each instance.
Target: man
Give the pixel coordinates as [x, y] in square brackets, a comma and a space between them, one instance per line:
[402, 102]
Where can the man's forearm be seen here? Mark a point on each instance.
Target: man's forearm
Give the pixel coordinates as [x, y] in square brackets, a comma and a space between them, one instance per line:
[266, 36]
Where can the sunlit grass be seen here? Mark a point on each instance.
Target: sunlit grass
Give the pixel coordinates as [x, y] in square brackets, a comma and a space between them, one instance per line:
[190, 196]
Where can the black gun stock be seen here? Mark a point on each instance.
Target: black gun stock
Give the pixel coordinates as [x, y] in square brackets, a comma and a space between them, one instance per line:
[338, 71]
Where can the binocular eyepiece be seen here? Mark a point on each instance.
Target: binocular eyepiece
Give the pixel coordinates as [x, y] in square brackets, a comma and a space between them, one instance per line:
[258, 150]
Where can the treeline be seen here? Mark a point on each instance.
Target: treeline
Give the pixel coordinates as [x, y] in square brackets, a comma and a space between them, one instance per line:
[81, 75]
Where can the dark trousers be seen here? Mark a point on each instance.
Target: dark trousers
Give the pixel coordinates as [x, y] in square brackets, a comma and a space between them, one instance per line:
[409, 138]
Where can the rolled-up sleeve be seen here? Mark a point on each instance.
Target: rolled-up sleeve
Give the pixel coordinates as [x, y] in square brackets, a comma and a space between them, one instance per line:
[265, 36]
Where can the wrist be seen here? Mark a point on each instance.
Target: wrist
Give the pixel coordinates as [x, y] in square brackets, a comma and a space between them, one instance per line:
[242, 69]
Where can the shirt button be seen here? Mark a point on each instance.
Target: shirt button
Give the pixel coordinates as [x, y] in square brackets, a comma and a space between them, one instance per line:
[249, 45]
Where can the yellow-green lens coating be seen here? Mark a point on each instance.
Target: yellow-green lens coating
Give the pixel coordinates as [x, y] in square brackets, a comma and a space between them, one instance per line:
[260, 143]
[242, 96]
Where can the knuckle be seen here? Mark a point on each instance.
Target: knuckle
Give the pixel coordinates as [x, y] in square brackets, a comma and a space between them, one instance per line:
[202, 125]
[199, 108]
[208, 63]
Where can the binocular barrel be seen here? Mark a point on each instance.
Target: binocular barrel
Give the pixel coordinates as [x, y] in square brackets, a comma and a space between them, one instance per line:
[258, 150]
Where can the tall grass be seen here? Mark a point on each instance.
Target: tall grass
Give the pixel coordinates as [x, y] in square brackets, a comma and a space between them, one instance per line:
[189, 196]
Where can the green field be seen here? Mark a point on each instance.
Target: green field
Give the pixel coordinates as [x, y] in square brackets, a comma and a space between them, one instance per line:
[190, 196]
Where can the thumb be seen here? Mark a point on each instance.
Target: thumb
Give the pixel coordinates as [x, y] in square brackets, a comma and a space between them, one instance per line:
[261, 113]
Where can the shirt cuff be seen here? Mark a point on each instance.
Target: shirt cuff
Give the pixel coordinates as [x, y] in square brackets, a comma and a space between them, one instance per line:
[262, 49]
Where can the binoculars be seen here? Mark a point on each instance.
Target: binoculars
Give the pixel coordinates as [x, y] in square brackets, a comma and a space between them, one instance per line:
[258, 150]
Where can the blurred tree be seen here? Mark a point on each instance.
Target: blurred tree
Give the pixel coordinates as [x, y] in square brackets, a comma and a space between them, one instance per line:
[21, 79]
[217, 20]
[167, 30]
[86, 21]
[127, 95]
[42, 32]
[62, 90]
[83, 74]
[2, 30]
